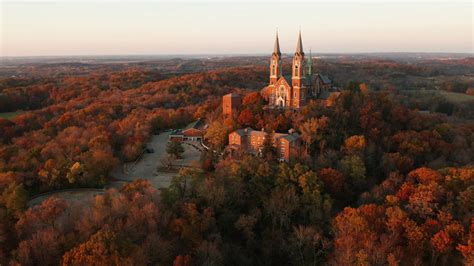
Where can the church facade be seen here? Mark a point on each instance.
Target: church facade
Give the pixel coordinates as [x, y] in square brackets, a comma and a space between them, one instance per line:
[292, 91]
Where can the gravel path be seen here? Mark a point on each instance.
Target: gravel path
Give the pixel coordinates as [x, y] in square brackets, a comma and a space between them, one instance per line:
[145, 168]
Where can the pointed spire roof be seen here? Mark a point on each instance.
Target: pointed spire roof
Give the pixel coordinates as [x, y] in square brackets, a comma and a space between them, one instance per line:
[276, 48]
[310, 63]
[299, 45]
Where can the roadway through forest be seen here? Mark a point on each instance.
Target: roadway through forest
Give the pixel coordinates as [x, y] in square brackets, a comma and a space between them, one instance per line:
[146, 167]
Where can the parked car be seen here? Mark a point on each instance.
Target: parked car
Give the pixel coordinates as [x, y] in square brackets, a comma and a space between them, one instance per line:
[149, 150]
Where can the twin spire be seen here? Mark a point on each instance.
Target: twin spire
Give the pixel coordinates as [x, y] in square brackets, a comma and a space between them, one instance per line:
[299, 45]
[276, 48]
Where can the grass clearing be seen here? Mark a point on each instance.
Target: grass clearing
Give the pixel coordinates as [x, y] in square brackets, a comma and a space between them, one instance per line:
[11, 115]
[456, 97]
[453, 97]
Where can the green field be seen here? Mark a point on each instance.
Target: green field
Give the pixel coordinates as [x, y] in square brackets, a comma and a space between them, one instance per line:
[11, 115]
[453, 97]
[456, 97]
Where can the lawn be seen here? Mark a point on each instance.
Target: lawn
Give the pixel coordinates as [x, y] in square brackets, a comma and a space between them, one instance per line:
[456, 97]
[453, 97]
[11, 115]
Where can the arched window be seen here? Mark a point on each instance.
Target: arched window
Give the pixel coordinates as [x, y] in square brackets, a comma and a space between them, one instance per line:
[282, 91]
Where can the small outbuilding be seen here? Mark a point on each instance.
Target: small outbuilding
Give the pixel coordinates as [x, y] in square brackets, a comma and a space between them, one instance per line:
[193, 132]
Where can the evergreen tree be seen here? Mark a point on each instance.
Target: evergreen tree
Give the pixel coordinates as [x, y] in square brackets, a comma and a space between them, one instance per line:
[174, 148]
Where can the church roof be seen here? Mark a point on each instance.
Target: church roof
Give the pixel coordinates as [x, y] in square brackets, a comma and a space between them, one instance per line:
[285, 80]
[324, 95]
[324, 78]
[288, 78]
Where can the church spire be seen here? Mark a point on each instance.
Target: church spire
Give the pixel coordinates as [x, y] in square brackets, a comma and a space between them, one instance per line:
[310, 64]
[275, 62]
[299, 45]
[276, 48]
[299, 66]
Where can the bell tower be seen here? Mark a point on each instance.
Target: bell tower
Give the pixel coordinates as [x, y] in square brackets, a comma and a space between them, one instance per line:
[299, 67]
[275, 62]
[298, 76]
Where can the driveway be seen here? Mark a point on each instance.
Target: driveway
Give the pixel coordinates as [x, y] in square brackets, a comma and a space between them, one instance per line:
[145, 168]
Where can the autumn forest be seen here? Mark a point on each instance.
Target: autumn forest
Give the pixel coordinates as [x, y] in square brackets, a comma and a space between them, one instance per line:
[385, 177]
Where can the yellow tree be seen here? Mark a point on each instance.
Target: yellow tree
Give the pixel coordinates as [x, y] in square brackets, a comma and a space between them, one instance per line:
[216, 134]
[312, 130]
[355, 144]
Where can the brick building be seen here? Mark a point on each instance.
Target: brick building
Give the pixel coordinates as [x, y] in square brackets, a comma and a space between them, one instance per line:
[248, 140]
[230, 104]
[193, 132]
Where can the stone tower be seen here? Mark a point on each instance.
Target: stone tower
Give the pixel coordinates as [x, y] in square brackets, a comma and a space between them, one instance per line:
[298, 75]
[230, 104]
[275, 62]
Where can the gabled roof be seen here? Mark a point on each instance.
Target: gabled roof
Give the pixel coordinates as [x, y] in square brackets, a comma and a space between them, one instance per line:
[196, 125]
[324, 95]
[283, 81]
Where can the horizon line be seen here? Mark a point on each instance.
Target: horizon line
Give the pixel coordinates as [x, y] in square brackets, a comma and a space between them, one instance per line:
[229, 54]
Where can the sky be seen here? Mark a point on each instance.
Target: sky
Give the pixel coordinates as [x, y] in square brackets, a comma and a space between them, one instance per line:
[39, 28]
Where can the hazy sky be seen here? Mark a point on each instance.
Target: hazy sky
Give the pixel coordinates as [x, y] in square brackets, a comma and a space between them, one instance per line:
[161, 27]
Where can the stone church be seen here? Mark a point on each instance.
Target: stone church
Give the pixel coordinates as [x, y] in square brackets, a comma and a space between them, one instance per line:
[293, 91]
